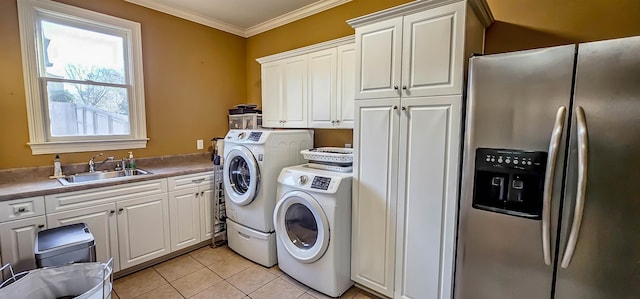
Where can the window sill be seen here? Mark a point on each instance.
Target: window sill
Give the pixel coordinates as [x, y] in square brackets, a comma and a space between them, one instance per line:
[85, 146]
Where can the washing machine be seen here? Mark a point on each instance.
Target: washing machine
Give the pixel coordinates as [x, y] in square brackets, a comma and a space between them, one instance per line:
[252, 161]
[313, 228]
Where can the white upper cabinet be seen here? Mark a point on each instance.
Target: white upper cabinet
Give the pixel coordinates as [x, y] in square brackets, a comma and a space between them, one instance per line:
[311, 87]
[322, 88]
[378, 62]
[284, 93]
[419, 54]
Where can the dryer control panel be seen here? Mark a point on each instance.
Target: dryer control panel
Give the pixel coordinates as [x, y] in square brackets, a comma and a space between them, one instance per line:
[320, 182]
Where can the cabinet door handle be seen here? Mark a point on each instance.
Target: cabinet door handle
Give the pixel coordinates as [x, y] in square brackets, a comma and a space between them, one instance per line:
[22, 210]
[112, 211]
[41, 226]
[198, 181]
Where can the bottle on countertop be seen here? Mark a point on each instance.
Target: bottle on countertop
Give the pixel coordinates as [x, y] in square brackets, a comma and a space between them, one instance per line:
[57, 168]
[132, 162]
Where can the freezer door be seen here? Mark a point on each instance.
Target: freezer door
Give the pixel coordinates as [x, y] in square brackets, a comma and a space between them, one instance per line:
[513, 100]
[606, 260]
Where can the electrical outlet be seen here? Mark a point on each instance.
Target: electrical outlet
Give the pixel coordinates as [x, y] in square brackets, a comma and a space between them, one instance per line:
[199, 144]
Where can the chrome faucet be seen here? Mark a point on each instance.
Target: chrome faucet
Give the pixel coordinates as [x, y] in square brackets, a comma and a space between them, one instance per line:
[92, 164]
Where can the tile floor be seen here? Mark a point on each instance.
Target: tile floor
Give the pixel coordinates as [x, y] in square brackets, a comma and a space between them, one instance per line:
[216, 273]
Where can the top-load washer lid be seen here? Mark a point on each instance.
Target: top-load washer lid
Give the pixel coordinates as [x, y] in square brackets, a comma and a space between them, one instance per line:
[241, 175]
[302, 226]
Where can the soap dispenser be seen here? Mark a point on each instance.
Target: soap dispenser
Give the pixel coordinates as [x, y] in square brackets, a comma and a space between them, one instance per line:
[132, 162]
[57, 169]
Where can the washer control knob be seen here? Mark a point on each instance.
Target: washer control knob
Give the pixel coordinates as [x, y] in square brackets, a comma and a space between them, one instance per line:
[241, 135]
[302, 180]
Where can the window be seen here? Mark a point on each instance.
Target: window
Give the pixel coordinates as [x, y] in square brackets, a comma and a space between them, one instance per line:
[83, 79]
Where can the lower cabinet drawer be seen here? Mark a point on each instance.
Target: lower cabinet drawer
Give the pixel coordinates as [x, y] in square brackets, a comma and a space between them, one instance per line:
[21, 208]
[255, 245]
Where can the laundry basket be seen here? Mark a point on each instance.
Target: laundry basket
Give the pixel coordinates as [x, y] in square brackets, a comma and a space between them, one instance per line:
[80, 281]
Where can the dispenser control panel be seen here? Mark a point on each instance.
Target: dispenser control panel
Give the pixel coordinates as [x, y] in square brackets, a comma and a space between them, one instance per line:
[509, 181]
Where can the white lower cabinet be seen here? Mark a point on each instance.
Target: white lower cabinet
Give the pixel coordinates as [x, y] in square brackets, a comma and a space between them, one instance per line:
[143, 229]
[17, 239]
[190, 208]
[102, 223]
[404, 195]
[20, 221]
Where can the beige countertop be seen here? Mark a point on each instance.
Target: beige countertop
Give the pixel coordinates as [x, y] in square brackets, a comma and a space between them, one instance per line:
[28, 182]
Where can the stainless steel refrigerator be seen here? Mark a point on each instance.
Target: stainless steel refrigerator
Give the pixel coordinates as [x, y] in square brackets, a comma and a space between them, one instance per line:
[550, 189]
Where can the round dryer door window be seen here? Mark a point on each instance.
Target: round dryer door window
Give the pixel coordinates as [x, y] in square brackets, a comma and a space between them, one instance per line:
[301, 226]
[241, 176]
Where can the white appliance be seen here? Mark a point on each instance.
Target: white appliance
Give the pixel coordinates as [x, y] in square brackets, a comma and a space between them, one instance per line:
[313, 227]
[253, 160]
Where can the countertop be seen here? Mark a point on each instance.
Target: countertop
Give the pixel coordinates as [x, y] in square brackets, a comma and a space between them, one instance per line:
[28, 182]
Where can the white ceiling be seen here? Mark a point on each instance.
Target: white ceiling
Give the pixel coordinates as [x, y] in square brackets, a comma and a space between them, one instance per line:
[241, 17]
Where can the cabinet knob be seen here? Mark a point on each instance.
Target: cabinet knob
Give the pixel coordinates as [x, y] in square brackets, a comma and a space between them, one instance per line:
[22, 210]
[404, 87]
[395, 87]
[395, 107]
[112, 211]
[404, 108]
[41, 226]
[202, 193]
[337, 121]
[120, 209]
[197, 194]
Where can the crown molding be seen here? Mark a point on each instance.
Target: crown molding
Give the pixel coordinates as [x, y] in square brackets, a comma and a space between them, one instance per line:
[480, 7]
[308, 49]
[293, 16]
[287, 18]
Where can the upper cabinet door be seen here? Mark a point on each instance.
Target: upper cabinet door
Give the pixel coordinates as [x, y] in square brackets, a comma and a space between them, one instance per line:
[322, 88]
[295, 92]
[272, 94]
[378, 61]
[432, 58]
[346, 86]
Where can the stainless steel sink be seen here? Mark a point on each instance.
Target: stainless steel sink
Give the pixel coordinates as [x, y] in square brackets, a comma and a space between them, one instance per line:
[87, 177]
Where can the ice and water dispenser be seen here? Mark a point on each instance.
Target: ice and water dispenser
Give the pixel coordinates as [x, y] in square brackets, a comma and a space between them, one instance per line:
[509, 181]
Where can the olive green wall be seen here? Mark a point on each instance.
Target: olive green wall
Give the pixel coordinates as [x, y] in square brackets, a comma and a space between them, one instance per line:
[192, 75]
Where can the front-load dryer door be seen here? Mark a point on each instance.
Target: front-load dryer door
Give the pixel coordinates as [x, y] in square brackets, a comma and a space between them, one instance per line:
[241, 176]
[302, 226]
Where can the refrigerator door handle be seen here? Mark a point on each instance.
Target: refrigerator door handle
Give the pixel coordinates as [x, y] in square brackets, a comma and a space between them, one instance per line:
[554, 146]
[583, 159]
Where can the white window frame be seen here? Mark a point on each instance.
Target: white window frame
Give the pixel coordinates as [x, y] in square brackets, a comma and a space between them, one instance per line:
[29, 12]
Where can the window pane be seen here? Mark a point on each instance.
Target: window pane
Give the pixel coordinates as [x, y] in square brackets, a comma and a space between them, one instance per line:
[86, 110]
[79, 54]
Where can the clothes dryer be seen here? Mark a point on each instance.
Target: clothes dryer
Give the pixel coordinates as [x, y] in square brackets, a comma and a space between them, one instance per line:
[313, 228]
[252, 161]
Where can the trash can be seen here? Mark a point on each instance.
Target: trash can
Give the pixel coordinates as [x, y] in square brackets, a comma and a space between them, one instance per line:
[65, 245]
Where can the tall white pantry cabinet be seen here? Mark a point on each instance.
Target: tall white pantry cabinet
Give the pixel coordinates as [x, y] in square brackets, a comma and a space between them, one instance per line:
[410, 63]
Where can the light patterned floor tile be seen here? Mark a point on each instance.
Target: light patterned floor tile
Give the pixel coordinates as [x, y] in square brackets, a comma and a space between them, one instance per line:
[348, 294]
[251, 279]
[114, 295]
[306, 296]
[196, 282]
[138, 283]
[229, 264]
[275, 270]
[221, 290]
[294, 282]
[164, 292]
[365, 295]
[277, 289]
[207, 255]
[178, 267]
